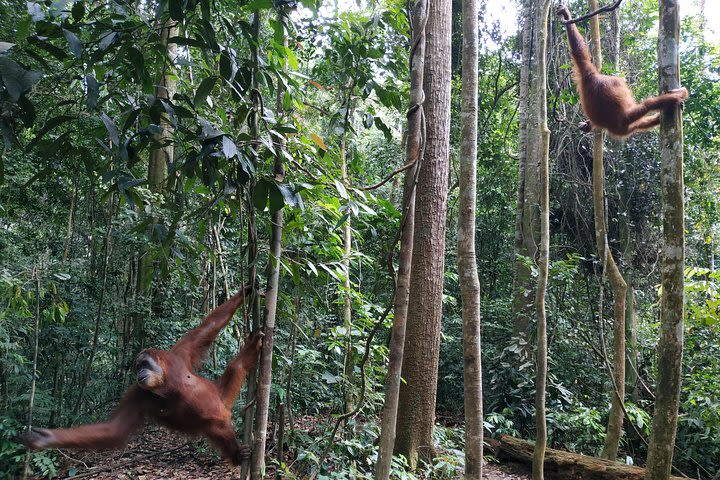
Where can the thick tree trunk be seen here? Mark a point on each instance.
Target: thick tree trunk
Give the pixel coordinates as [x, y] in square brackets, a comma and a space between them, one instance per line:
[422, 342]
[609, 268]
[670, 345]
[415, 119]
[160, 157]
[467, 260]
[538, 154]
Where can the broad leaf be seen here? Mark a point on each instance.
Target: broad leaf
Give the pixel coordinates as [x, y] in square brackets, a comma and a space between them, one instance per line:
[17, 80]
[75, 44]
[93, 91]
[112, 129]
[204, 90]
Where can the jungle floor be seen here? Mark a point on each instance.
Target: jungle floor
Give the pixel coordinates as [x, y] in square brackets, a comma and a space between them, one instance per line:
[158, 454]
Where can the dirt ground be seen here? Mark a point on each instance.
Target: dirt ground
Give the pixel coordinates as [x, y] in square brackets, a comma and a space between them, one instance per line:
[158, 454]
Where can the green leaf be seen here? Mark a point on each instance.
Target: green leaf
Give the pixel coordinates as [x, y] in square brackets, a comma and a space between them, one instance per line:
[204, 90]
[340, 188]
[112, 129]
[17, 80]
[36, 11]
[93, 91]
[229, 148]
[107, 39]
[137, 60]
[49, 125]
[175, 8]
[27, 111]
[76, 47]
[188, 42]
[258, 5]
[78, 11]
[276, 198]
[260, 194]
[5, 46]
[288, 194]
[227, 66]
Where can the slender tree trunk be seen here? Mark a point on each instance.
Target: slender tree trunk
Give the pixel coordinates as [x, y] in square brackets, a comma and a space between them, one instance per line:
[609, 268]
[101, 303]
[539, 153]
[349, 365]
[670, 344]
[527, 220]
[262, 405]
[631, 362]
[422, 342]
[414, 145]
[291, 368]
[467, 260]
[280, 441]
[69, 228]
[36, 338]
[254, 303]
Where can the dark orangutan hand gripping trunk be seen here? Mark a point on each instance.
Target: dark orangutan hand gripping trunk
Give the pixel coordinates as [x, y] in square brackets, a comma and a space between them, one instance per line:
[169, 392]
[606, 100]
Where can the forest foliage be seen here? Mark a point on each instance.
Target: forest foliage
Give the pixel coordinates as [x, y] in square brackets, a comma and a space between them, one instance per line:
[80, 115]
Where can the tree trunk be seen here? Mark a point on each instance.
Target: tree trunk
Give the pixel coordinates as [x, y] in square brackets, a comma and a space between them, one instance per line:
[527, 220]
[349, 365]
[36, 338]
[262, 404]
[631, 362]
[670, 344]
[538, 154]
[422, 342]
[467, 260]
[418, 17]
[101, 303]
[69, 228]
[160, 157]
[609, 268]
[254, 302]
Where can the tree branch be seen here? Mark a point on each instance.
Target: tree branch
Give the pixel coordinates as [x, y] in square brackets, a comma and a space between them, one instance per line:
[606, 8]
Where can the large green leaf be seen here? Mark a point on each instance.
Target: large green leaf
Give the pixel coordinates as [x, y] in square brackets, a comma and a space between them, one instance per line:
[17, 80]
[76, 47]
[204, 90]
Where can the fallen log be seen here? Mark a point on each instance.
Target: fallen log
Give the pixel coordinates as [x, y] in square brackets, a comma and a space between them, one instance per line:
[560, 465]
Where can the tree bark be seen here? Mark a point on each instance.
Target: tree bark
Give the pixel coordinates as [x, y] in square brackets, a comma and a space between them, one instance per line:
[467, 259]
[670, 344]
[562, 465]
[254, 302]
[422, 342]
[36, 339]
[415, 120]
[539, 155]
[101, 304]
[609, 268]
[262, 404]
[527, 220]
[349, 364]
[160, 157]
